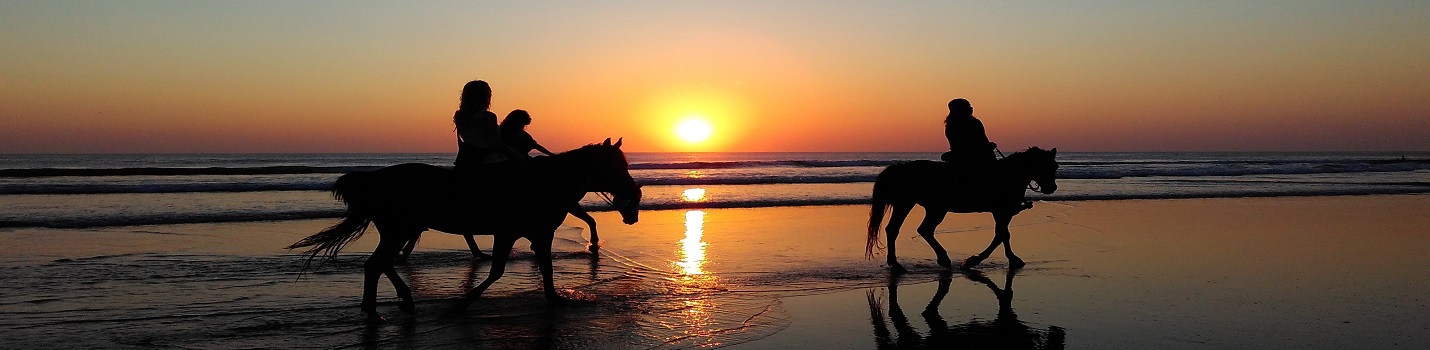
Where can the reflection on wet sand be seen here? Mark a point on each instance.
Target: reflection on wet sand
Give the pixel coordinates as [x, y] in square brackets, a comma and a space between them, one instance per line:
[692, 248]
[1003, 332]
[682, 302]
[692, 281]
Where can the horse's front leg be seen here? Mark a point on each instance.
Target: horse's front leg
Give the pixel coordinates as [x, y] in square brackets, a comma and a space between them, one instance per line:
[1003, 235]
[581, 213]
[541, 246]
[933, 217]
[501, 250]
[1000, 236]
[477, 253]
[891, 234]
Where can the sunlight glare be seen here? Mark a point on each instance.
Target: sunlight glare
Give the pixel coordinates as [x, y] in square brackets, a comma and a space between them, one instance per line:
[693, 195]
[694, 130]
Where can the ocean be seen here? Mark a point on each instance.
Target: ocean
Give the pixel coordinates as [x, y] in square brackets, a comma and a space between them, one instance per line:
[72, 191]
[186, 251]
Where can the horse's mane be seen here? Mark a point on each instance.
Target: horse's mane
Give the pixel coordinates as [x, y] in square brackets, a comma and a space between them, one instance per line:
[592, 151]
[1031, 151]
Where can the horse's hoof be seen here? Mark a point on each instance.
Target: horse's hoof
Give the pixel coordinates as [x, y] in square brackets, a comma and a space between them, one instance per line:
[897, 269]
[480, 257]
[1016, 263]
[972, 261]
[593, 248]
[375, 318]
[945, 263]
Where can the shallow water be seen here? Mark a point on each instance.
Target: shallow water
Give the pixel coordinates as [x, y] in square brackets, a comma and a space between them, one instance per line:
[228, 285]
[1315, 272]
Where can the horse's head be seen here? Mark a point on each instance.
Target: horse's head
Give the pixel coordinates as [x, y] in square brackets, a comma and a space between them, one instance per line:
[1041, 166]
[610, 172]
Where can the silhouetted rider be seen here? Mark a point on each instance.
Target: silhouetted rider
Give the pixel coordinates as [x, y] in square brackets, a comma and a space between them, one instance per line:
[514, 135]
[968, 145]
[479, 146]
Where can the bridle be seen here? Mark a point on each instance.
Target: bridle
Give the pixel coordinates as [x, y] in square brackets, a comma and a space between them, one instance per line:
[1032, 185]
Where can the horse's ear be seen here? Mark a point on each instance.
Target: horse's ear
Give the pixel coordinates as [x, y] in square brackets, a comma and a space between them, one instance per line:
[607, 143]
[618, 142]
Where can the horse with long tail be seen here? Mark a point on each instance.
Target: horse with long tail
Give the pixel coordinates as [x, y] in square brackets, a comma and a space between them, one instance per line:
[932, 184]
[531, 202]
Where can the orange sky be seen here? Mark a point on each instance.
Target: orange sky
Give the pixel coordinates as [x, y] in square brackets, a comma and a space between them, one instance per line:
[140, 76]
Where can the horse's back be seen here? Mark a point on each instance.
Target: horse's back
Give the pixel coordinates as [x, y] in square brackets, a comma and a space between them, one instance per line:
[920, 172]
[936, 184]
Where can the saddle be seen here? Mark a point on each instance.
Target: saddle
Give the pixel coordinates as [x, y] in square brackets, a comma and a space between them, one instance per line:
[971, 181]
[495, 183]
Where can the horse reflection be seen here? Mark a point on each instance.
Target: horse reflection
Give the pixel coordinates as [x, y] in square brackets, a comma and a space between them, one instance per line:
[1003, 332]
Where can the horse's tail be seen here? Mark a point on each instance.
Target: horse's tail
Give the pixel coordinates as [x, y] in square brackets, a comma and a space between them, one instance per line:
[879, 205]
[353, 190]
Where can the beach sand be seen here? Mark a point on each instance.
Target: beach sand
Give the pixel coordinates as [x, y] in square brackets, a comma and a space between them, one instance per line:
[1251, 273]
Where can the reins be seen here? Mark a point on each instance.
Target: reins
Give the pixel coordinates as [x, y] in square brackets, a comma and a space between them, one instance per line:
[606, 196]
[1032, 185]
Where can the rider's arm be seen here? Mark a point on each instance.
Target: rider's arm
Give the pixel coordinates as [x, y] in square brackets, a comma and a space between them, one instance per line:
[541, 149]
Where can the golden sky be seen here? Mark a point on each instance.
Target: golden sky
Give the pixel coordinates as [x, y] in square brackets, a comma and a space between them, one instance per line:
[369, 76]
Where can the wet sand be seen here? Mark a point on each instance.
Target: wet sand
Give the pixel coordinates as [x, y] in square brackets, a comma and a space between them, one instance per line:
[1261, 273]
[1302, 272]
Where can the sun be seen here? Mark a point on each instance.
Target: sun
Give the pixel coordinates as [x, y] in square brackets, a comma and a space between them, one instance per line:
[694, 130]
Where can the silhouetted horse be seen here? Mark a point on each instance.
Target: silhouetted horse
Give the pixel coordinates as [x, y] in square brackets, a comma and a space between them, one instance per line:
[404, 200]
[931, 185]
[1004, 332]
[576, 210]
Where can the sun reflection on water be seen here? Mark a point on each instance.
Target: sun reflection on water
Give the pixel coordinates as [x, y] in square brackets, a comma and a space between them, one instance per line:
[692, 195]
[692, 248]
[698, 324]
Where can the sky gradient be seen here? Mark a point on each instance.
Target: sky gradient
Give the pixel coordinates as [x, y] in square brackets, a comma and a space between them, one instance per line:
[368, 76]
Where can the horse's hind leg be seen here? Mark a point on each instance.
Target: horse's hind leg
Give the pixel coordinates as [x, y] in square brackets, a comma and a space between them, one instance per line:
[501, 250]
[933, 217]
[896, 220]
[404, 294]
[381, 262]
[542, 248]
[407, 249]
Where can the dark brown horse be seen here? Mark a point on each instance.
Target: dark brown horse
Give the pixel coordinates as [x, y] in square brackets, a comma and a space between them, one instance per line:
[932, 185]
[403, 200]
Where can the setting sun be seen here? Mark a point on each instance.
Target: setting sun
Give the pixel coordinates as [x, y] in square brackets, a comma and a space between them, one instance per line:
[694, 130]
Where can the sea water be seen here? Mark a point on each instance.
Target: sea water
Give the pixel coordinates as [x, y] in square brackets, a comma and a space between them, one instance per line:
[115, 190]
[185, 250]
